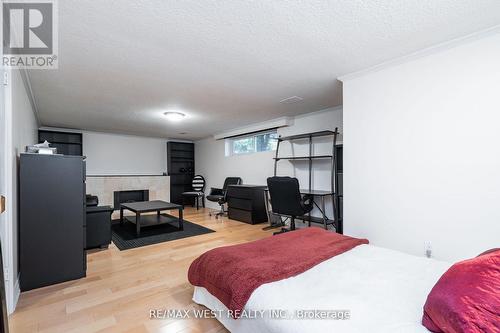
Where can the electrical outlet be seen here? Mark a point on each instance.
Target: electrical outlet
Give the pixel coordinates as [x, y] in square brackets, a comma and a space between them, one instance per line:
[428, 249]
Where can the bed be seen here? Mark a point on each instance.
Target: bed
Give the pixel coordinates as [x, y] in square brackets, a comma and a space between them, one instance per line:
[383, 291]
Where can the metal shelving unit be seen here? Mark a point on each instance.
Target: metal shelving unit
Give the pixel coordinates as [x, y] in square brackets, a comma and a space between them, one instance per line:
[334, 192]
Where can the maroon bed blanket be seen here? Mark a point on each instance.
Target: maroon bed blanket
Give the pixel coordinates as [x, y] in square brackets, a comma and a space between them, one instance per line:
[232, 273]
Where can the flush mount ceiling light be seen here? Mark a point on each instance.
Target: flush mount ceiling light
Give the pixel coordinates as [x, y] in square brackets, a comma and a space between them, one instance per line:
[174, 115]
[291, 100]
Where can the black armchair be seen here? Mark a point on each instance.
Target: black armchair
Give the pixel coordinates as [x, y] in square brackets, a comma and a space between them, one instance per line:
[219, 194]
[286, 199]
[98, 227]
[98, 224]
[91, 200]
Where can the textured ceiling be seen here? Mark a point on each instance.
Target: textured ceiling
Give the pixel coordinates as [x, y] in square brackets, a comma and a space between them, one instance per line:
[228, 63]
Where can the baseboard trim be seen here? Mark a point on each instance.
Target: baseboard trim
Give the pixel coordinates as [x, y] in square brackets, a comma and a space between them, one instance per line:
[15, 296]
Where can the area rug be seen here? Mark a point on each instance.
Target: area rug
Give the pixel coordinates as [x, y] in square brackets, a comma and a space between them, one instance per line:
[124, 235]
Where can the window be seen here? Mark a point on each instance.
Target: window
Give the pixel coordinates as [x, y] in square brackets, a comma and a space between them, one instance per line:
[263, 141]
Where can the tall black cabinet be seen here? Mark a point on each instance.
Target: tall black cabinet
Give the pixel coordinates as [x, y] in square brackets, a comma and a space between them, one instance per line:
[52, 219]
[180, 163]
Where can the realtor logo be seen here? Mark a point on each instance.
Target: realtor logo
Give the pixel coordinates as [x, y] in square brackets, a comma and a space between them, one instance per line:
[30, 34]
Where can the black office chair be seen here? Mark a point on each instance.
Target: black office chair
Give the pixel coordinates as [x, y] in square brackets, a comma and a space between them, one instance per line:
[286, 199]
[219, 194]
[198, 186]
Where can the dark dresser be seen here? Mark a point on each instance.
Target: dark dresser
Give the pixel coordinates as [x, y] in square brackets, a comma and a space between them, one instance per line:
[52, 219]
[246, 203]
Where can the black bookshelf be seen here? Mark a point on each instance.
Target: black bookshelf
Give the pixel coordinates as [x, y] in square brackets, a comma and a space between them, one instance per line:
[339, 198]
[180, 163]
[67, 143]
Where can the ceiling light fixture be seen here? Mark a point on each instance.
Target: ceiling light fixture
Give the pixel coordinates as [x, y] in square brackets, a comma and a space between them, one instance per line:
[174, 115]
[291, 100]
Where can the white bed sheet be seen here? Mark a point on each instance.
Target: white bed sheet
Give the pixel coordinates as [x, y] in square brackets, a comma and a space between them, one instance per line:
[384, 290]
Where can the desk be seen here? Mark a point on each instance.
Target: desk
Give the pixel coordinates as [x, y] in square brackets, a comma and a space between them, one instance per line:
[316, 194]
[319, 193]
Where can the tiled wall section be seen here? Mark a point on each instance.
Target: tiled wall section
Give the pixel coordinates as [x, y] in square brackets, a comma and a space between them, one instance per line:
[104, 187]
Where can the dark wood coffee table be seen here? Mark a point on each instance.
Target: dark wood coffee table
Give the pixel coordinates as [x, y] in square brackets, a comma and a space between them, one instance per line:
[141, 207]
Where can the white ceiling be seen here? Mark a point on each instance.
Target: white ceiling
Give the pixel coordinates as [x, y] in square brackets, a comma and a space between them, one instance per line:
[228, 63]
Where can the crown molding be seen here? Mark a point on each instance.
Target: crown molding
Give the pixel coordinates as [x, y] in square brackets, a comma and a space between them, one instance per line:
[422, 53]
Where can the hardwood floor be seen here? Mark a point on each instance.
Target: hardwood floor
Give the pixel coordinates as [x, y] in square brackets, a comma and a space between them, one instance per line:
[122, 286]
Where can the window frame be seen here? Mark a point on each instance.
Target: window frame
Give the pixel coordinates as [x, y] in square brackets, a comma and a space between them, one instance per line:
[230, 143]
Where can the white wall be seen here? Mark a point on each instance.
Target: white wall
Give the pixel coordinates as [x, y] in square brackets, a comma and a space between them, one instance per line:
[115, 154]
[3, 166]
[21, 130]
[121, 154]
[212, 163]
[421, 152]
